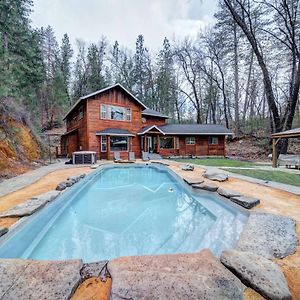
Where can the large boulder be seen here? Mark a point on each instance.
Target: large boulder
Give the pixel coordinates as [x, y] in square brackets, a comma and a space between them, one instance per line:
[269, 235]
[94, 269]
[178, 276]
[36, 280]
[215, 176]
[257, 272]
[227, 193]
[247, 202]
[206, 186]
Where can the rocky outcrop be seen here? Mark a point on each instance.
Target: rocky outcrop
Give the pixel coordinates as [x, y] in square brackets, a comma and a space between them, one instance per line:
[206, 186]
[257, 272]
[3, 230]
[215, 176]
[61, 186]
[192, 181]
[178, 276]
[269, 235]
[36, 280]
[187, 167]
[31, 205]
[228, 193]
[247, 202]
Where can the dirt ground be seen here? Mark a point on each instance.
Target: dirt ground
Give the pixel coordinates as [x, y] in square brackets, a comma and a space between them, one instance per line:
[45, 184]
[272, 200]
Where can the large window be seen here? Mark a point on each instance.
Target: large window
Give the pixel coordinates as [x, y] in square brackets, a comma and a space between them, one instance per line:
[190, 140]
[213, 140]
[117, 113]
[118, 143]
[167, 142]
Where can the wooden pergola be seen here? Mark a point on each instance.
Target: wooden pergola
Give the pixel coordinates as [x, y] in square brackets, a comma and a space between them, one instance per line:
[276, 137]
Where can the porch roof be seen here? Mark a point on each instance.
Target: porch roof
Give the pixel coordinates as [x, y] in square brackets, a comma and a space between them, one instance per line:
[187, 129]
[115, 131]
[154, 113]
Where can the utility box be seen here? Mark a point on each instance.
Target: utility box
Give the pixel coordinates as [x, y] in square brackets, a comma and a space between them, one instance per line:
[84, 157]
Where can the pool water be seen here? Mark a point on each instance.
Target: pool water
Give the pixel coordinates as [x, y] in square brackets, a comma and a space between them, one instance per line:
[127, 210]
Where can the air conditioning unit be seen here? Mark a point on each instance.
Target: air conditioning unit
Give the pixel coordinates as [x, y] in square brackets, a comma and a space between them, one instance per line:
[84, 157]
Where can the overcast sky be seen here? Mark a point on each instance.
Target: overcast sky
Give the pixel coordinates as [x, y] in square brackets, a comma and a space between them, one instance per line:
[124, 20]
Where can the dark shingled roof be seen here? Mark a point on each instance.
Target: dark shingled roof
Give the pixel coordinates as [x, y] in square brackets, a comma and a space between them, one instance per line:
[152, 112]
[195, 129]
[114, 131]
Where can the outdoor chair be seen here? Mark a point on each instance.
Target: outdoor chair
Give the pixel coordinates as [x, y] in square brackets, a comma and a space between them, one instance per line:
[145, 156]
[131, 157]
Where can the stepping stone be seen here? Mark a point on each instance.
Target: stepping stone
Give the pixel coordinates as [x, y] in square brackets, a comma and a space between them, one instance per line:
[61, 186]
[257, 272]
[269, 235]
[3, 230]
[206, 186]
[75, 178]
[94, 166]
[246, 202]
[178, 276]
[215, 176]
[82, 175]
[36, 280]
[69, 183]
[228, 193]
[192, 181]
[30, 206]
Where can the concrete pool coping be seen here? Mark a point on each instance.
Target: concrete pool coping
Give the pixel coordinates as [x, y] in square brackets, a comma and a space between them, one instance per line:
[198, 173]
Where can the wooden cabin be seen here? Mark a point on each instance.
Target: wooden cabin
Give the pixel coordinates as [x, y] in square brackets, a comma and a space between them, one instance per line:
[113, 120]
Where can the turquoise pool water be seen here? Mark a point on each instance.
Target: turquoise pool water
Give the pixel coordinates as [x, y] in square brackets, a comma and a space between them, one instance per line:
[126, 210]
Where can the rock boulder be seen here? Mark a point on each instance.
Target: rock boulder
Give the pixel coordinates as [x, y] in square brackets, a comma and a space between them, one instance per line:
[178, 276]
[269, 235]
[206, 186]
[228, 193]
[257, 272]
[215, 176]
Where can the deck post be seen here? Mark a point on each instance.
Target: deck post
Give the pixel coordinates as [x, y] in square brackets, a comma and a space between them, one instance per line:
[274, 153]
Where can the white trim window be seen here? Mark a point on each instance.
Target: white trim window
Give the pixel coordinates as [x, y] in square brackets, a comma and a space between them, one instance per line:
[213, 140]
[190, 140]
[116, 113]
[103, 143]
[103, 111]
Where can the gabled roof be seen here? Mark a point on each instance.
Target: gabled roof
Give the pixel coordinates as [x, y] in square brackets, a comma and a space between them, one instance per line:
[154, 113]
[149, 128]
[115, 131]
[101, 91]
[195, 129]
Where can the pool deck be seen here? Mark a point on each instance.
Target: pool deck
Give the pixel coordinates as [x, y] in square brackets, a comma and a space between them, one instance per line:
[273, 200]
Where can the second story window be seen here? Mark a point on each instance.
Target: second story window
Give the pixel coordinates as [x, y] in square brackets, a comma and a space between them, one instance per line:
[117, 113]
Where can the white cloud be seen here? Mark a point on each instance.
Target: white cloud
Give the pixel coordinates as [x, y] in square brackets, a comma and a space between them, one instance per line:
[124, 20]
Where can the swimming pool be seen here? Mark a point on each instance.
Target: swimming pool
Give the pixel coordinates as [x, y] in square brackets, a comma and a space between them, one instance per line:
[126, 210]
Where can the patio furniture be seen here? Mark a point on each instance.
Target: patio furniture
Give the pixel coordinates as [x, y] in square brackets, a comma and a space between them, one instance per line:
[84, 157]
[187, 167]
[117, 157]
[145, 156]
[131, 157]
[289, 160]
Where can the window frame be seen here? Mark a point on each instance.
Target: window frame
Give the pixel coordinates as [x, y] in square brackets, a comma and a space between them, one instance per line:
[213, 140]
[103, 142]
[106, 112]
[188, 140]
[118, 136]
[164, 138]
